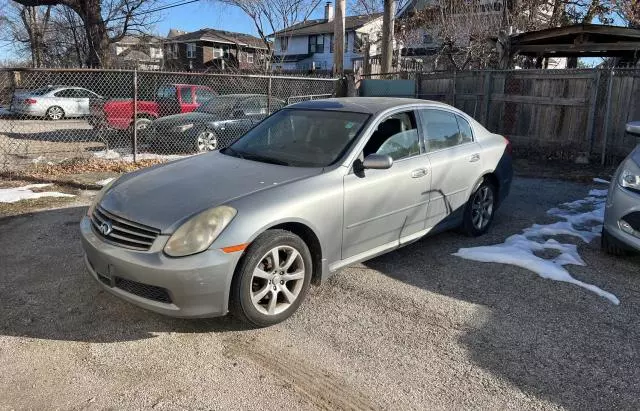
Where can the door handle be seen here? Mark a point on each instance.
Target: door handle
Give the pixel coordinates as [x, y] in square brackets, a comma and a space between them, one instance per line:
[474, 157]
[419, 172]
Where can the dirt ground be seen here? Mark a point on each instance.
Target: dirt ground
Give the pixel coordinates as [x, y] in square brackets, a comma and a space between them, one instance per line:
[417, 328]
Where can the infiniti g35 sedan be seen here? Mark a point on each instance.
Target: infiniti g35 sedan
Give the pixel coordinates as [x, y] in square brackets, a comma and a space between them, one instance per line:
[312, 188]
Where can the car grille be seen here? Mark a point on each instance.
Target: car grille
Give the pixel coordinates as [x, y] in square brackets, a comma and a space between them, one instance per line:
[150, 292]
[122, 232]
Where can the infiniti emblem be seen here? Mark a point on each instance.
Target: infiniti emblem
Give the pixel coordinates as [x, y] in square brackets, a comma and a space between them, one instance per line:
[106, 228]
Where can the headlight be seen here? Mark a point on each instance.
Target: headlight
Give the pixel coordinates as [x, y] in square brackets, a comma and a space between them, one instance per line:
[184, 127]
[99, 196]
[630, 180]
[199, 232]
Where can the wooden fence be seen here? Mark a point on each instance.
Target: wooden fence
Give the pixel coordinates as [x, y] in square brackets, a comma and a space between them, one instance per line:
[550, 113]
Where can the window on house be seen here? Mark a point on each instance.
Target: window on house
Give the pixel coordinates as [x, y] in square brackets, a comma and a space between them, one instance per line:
[191, 50]
[217, 53]
[359, 41]
[284, 43]
[250, 58]
[426, 38]
[316, 44]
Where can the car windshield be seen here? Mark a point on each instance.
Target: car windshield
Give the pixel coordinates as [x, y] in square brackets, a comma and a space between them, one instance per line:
[300, 138]
[220, 104]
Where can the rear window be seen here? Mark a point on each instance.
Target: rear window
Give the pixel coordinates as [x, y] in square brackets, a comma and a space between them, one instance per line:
[166, 92]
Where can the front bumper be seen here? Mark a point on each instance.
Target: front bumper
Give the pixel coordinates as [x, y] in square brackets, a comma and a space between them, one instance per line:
[193, 286]
[622, 203]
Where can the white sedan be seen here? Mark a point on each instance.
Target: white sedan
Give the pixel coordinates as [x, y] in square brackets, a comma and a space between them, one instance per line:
[53, 102]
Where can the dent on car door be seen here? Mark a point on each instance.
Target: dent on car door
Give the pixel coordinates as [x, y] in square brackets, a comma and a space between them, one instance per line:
[381, 207]
[455, 164]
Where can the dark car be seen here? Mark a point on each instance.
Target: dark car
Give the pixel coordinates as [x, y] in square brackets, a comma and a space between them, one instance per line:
[213, 125]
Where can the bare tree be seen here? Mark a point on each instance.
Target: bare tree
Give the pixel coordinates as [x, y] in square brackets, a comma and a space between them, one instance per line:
[26, 28]
[105, 21]
[270, 16]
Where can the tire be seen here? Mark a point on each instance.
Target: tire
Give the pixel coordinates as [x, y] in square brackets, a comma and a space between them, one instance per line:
[55, 113]
[612, 245]
[142, 123]
[255, 277]
[479, 211]
[205, 141]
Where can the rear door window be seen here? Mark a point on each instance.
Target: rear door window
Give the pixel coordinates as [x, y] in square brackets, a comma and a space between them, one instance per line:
[441, 130]
[466, 135]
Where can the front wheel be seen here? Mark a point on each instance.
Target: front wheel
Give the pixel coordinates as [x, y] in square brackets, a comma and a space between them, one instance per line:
[479, 211]
[272, 278]
[206, 140]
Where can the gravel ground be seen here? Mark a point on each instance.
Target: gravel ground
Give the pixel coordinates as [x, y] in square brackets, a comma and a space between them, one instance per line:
[413, 329]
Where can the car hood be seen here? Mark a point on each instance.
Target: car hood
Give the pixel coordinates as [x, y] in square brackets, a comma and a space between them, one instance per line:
[193, 117]
[165, 196]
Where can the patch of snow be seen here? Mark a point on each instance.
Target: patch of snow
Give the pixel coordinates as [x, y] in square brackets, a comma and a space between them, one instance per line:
[15, 194]
[582, 219]
[128, 157]
[601, 180]
[105, 181]
[38, 160]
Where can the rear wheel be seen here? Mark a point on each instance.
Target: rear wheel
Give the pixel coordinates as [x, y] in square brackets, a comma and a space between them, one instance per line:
[272, 279]
[55, 113]
[142, 123]
[479, 211]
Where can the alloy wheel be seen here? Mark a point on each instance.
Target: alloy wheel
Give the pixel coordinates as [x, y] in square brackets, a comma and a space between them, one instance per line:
[206, 141]
[482, 207]
[55, 113]
[277, 280]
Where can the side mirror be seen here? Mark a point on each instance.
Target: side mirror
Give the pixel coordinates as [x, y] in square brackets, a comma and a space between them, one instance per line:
[633, 127]
[377, 162]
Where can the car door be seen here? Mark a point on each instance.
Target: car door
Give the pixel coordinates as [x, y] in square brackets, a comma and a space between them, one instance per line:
[383, 207]
[454, 156]
[66, 99]
[83, 98]
[187, 99]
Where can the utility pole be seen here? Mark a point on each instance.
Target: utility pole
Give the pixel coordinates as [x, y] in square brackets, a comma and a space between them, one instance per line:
[388, 21]
[338, 38]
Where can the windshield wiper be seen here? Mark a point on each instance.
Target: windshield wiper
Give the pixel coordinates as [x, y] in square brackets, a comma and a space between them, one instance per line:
[263, 159]
[234, 153]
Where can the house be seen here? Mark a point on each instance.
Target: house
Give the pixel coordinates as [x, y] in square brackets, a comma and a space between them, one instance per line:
[143, 52]
[210, 48]
[309, 45]
[468, 19]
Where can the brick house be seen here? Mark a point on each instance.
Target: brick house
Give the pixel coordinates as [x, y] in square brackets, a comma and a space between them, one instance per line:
[216, 49]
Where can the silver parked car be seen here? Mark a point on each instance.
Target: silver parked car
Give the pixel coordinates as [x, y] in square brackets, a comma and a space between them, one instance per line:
[312, 188]
[53, 102]
[621, 230]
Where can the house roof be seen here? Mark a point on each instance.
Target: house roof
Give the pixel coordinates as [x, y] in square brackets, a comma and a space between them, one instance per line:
[135, 55]
[139, 39]
[580, 40]
[322, 26]
[220, 36]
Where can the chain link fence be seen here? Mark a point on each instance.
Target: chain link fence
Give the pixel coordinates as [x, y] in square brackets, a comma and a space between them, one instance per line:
[47, 116]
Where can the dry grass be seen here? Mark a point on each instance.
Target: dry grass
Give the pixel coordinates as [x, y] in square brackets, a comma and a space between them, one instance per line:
[35, 204]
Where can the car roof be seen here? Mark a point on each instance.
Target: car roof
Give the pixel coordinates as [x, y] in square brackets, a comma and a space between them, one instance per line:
[368, 105]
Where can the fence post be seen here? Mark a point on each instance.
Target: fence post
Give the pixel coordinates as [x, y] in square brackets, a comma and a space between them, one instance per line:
[269, 95]
[488, 80]
[135, 114]
[606, 118]
[453, 89]
[591, 118]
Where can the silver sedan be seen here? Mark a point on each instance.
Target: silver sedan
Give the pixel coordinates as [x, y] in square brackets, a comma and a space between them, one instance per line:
[314, 187]
[53, 102]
